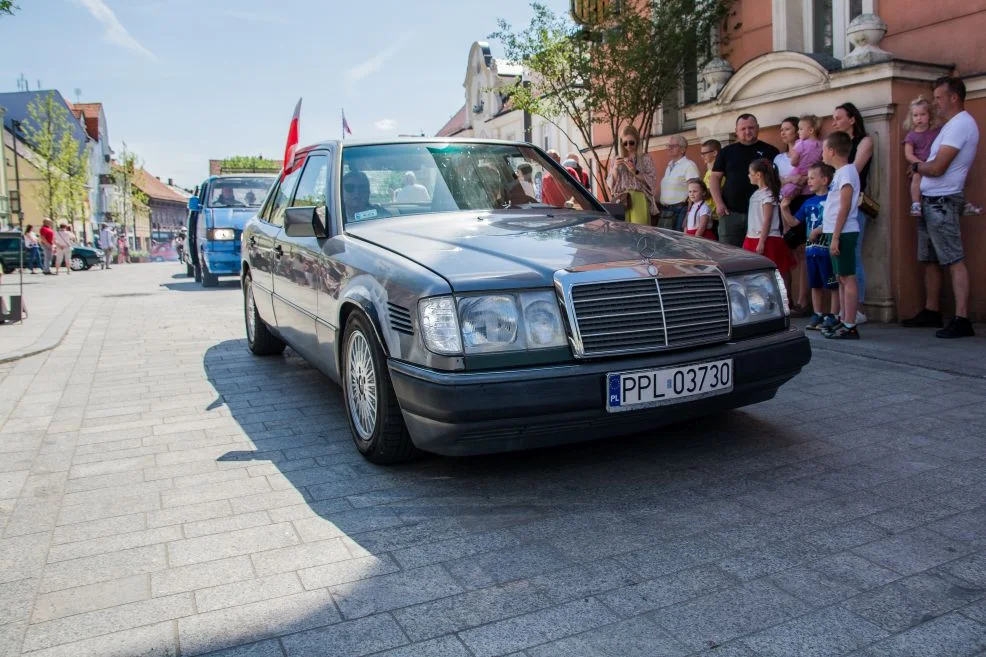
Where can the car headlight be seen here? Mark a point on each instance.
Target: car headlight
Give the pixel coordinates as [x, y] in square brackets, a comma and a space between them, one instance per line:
[757, 297]
[439, 325]
[509, 321]
[221, 234]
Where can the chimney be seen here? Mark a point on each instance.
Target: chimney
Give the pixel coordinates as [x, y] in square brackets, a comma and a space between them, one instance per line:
[171, 182]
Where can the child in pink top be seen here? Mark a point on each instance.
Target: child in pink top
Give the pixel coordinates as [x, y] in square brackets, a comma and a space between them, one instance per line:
[806, 152]
[917, 144]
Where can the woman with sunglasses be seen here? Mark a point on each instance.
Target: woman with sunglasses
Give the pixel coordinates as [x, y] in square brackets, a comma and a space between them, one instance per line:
[632, 178]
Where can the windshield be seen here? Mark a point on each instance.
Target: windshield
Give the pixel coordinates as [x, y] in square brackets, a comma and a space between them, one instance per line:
[238, 192]
[416, 178]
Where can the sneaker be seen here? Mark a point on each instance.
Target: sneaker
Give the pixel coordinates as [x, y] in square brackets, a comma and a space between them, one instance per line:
[924, 319]
[815, 323]
[843, 332]
[830, 322]
[828, 332]
[861, 318]
[959, 327]
[915, 209]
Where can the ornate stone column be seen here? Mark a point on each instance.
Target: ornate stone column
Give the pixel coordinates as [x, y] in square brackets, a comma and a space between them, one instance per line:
[864, 33]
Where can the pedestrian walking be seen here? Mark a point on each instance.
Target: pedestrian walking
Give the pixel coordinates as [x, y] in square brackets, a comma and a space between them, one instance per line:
[47, 241]
[107, 244]
[64, 241]
[33, 249]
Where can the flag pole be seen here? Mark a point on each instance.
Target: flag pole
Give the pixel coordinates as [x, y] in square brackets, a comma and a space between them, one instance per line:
[342, 124]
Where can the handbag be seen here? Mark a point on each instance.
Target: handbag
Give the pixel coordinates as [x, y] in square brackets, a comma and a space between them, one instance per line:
[869, 205]
[627, 200]
[796, 236]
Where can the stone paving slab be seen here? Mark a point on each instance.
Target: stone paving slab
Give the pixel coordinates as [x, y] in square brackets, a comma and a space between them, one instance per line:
[163, 492]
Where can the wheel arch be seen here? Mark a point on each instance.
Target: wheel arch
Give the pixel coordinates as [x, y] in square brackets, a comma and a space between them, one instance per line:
[357, 302]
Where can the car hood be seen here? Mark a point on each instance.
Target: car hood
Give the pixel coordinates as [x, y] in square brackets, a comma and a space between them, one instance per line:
[518, 250]
[230, 217]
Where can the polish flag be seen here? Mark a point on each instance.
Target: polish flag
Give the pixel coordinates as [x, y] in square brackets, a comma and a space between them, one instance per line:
[345, 125]
[292, 142]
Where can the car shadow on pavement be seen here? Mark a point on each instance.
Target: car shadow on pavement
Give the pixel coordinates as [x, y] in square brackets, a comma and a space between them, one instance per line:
[407, 541]
[190, 285]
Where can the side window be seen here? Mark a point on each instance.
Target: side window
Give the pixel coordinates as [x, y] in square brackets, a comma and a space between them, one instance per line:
[312, 186]
[281, 198]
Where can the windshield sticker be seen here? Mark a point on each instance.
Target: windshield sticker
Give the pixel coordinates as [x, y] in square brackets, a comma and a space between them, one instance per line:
[365, 214]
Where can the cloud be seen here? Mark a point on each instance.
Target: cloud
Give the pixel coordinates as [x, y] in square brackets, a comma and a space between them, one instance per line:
[386, 124]
[115, 32]
[374, 63]
[256, 18]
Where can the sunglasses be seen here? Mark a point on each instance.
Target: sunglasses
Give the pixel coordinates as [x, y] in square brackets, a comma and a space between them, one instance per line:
[630, 143]
[352, 188]
[708, 152]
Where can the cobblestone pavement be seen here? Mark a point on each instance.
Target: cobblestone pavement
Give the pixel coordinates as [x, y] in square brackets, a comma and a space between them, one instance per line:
[162, 492]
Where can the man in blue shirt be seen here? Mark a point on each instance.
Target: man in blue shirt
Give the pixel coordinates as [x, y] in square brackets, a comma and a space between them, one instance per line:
[821, 278]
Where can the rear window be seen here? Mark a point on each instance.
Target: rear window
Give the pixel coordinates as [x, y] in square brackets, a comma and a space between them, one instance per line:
[10, 243]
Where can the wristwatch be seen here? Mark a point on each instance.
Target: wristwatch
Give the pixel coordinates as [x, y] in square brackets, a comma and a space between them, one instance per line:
[914, 166]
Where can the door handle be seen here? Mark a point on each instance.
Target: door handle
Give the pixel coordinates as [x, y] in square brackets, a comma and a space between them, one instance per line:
[279, 250]
[253, 240]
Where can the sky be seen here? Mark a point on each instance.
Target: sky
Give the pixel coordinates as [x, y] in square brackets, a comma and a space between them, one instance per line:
[183, 81]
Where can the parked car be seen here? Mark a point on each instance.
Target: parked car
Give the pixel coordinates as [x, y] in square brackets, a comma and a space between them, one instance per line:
[84, 257]
[480, 319]
[216, 215]
[10, 250]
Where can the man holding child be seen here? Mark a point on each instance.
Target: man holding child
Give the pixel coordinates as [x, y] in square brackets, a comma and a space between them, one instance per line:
[942, 183]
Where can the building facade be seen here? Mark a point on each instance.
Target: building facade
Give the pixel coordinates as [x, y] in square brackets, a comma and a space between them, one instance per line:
[168, 208]
[793, 57]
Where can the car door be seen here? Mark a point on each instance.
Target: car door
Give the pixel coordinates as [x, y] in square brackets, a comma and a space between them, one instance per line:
[259, 244]
[288, 320]
[299, 263]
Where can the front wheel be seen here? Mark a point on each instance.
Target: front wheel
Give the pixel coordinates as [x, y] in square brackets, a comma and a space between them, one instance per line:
[189, 271]
[260, 339]
[77, 263]
[209, 280]
[374, 416]
[197, 273]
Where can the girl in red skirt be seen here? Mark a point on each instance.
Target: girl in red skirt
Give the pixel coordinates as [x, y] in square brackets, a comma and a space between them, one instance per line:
[763, 220]
[699, 221]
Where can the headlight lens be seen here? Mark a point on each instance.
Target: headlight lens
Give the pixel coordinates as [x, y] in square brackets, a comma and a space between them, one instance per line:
[509, 321]
[439, 326]
[222, 234]
[756, 297]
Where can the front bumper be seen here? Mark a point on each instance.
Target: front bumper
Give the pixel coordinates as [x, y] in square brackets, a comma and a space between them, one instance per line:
[222, 263]
[460, 413]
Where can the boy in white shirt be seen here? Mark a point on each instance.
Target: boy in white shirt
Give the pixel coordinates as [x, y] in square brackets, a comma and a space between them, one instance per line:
[841, 229]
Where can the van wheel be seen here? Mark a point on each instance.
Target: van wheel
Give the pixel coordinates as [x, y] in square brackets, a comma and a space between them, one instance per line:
[260, 339]
[189, 271]
[209, 280]
[374, 416]
[197, 273]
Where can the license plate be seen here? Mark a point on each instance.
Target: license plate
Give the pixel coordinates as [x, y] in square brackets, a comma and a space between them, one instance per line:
[646, 388]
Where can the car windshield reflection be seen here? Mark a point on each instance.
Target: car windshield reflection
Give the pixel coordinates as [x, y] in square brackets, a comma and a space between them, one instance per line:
[390, 180]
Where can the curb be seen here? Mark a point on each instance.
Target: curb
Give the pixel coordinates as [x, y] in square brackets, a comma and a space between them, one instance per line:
[52, 336]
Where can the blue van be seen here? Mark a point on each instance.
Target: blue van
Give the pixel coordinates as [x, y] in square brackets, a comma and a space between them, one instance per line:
[216, 215]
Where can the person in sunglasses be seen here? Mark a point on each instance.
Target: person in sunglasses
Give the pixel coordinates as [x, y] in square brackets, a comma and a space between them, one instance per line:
[632, 178]
[356, 198]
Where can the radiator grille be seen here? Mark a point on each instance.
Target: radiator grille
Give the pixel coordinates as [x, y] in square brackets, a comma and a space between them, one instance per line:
[650, 314]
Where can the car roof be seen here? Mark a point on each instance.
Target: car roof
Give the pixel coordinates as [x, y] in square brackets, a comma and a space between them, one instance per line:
[243, 175]
[411, 140]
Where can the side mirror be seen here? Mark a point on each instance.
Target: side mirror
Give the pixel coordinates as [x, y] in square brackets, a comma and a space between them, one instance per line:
[194, 204]
[305, 221]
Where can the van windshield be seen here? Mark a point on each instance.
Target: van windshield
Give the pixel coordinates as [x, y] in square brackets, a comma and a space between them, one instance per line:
[238, 192]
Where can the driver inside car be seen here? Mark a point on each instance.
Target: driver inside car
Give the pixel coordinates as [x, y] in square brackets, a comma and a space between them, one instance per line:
[356, 198]
[226, 197]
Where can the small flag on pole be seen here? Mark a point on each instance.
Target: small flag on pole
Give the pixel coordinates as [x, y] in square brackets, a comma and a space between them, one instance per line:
[292, 142]
[345, 125]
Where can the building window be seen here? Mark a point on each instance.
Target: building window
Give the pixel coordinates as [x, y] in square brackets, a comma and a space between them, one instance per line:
[826, 22]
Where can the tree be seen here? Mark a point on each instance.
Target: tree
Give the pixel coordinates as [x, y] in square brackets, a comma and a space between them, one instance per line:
[133, 200]
[65, 161]
[617, 72]
[8, 7]
[249, 164]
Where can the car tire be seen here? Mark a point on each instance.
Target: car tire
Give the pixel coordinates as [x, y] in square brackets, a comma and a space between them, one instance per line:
[8, 270]
[260, 339]
[189, 271]
[209, 280]
[77, 263]
[374, 415]
[197, 273]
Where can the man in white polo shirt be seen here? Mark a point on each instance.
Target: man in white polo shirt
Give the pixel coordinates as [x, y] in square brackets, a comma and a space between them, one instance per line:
[674, 184]
[942, 201]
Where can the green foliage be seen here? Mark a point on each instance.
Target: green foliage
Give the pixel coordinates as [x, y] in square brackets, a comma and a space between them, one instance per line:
[8, 7]
[65, 162]
[615, 73]
[124, 171]
[249, 164]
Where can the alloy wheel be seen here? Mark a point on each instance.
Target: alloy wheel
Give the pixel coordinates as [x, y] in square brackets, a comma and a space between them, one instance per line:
[251, 313]
[361, 385]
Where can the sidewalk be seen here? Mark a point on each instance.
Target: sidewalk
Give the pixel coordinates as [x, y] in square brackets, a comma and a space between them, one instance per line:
[54, 301]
